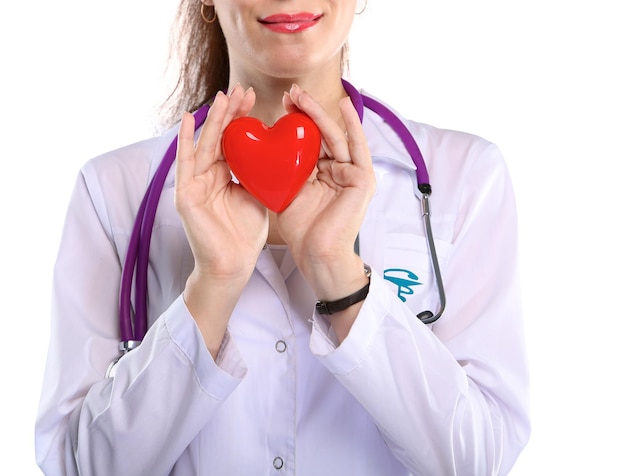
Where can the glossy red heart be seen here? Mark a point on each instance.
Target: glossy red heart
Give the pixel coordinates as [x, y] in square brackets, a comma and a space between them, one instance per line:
[272, 163]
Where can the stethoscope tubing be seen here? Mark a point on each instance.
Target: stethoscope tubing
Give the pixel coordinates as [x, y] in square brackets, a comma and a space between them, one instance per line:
[136, 260]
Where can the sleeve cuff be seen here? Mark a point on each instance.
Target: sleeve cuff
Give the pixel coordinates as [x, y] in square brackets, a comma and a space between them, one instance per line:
[342, 359]
[219, 378]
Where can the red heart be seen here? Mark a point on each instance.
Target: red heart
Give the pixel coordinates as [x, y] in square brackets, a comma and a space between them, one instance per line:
[272, 163]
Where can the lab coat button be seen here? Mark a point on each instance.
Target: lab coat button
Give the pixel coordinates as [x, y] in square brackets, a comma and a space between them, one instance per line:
[281, 346]
[278, 462]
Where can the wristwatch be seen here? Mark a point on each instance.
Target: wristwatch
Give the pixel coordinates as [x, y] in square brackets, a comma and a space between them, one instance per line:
[332, 307]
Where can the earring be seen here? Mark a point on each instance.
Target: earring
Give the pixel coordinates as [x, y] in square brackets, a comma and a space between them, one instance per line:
[207, 20]
[363, 8]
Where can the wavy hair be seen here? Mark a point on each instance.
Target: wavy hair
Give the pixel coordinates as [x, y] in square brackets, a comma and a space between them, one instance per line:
[203, 63]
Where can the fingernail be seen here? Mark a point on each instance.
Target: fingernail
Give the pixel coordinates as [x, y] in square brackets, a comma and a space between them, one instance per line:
[232, 91]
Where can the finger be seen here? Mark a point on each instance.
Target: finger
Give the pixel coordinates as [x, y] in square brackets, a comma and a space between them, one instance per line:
[357, 142]
[247, 102]
[240, 103]
[290, 107]
[235, 97]
[209, 136]
[185, 152]
[334, 139]
[288, 104]
[325, 173]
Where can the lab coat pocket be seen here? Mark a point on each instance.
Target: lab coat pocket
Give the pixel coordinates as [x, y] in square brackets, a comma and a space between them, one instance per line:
[408, 270]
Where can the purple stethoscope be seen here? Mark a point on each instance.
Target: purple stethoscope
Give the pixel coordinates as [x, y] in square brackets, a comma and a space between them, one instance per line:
[132, 330]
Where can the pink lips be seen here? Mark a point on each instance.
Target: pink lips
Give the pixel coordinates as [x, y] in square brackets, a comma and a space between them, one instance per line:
[290, 22]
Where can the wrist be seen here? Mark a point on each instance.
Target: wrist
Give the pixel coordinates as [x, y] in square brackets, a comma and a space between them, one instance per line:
[333, 279]
[341, 304]
[211, 302]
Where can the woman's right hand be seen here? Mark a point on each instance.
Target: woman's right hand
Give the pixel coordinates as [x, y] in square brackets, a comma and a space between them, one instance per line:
[225, 225]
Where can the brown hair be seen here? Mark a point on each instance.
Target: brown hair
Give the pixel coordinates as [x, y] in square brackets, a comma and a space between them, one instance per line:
[202, 59]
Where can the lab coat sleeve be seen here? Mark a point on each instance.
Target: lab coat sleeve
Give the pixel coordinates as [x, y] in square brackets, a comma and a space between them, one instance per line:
[163, 392]
[451, 400]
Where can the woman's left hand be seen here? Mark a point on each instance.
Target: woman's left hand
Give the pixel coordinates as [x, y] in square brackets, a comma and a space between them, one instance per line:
[322, 223]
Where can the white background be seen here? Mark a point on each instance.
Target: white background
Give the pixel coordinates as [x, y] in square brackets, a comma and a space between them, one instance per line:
[545, 80]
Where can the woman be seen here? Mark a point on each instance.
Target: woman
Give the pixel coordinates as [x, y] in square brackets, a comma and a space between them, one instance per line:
[238, 373]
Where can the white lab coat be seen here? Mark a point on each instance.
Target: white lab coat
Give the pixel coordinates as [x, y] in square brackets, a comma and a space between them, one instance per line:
[396, 398]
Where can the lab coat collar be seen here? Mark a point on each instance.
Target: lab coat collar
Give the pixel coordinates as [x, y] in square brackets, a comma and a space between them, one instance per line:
[385, 143]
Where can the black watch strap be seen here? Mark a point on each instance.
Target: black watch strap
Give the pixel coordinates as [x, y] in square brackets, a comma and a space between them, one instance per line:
[331, 307]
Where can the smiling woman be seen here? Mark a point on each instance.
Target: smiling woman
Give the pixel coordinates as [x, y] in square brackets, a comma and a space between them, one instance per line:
[280, 332]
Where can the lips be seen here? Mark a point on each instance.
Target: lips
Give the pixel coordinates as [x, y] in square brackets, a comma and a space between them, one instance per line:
[290, 22]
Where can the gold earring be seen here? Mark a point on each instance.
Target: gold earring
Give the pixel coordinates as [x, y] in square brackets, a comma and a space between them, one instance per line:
[207, 20]
[362, 9]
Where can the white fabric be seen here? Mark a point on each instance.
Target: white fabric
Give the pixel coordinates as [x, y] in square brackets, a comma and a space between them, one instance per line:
[396, 398]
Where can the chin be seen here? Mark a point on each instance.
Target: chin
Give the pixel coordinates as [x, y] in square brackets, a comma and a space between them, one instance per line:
[292, 65]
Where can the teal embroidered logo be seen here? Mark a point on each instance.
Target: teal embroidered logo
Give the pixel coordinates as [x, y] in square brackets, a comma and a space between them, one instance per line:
[404, 279]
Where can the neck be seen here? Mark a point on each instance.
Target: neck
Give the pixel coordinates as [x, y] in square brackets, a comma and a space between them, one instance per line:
[273, 237]
[327, 90]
